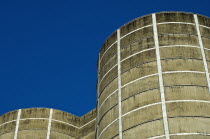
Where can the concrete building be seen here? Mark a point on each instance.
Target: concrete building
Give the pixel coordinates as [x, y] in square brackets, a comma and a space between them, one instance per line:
[153, 82]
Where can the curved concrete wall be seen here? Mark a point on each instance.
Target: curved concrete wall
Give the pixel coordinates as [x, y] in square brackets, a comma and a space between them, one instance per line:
[153, 78]
[43, 123]
[153, 82]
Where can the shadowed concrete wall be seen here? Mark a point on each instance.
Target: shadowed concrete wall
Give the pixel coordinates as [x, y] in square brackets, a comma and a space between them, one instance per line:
[43, 123]
[153, 78]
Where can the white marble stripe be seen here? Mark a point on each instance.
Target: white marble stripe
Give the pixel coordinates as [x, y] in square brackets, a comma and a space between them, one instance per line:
[106, 128]
[180, 46]
[34, 119]
[207, 49]
[49, 124]
[17, 124]
[106, 74]
[135, 31]
[106, 99]
[106, 51]
[155, 137]
[201, 101]
[180, 134]
[158, 103]
[145, 106]
[87, 123]
[162, 93]
[169, 72]
[202, 50]
[137, 53]
[119, 83]
[176, 23]
[204, 26]
[183, 134]
[8, 122]
[139, 79]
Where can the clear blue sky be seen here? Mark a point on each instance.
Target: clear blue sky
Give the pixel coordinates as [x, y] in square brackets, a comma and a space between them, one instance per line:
[49, 49]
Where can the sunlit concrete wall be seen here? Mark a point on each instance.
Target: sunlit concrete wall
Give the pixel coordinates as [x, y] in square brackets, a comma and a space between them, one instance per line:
[153, 82]
[153, 79]
[43, 123]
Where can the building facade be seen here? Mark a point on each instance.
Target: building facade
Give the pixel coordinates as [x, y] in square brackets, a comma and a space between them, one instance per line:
[153, 82]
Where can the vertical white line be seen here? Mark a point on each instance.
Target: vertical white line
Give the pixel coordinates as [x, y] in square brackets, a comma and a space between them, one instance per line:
[49, 124]
[17, 124]
[162, 93]
[98, 97]
[119, 83]
[202, 50]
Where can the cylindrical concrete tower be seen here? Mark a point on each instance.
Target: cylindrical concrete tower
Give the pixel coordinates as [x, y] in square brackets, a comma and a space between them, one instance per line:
[153, 79]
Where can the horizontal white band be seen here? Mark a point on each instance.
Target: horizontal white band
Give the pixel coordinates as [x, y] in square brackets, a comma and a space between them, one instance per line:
[192, 46]
[145, 50]
[107, 98]
[175, 23]
[106, 74]
[8, 122]
[153, 104]
[145, 106]
[106, 51]
[135, 31]
[180, 134]
[205, 26]
[106, 127]
[87, 123]
[47, 119]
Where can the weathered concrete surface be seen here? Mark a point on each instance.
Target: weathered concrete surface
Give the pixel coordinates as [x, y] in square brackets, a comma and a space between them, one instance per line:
[186, 90]
[183, 73]
[34, 122]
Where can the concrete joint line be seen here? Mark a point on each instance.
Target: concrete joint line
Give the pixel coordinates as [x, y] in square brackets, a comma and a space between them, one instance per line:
[162, 94]
[202, 50]
[119, 83]
[49, 124]
[17, 124]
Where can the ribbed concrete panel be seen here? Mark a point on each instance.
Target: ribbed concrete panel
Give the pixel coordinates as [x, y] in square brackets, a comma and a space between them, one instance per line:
[164, 60]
